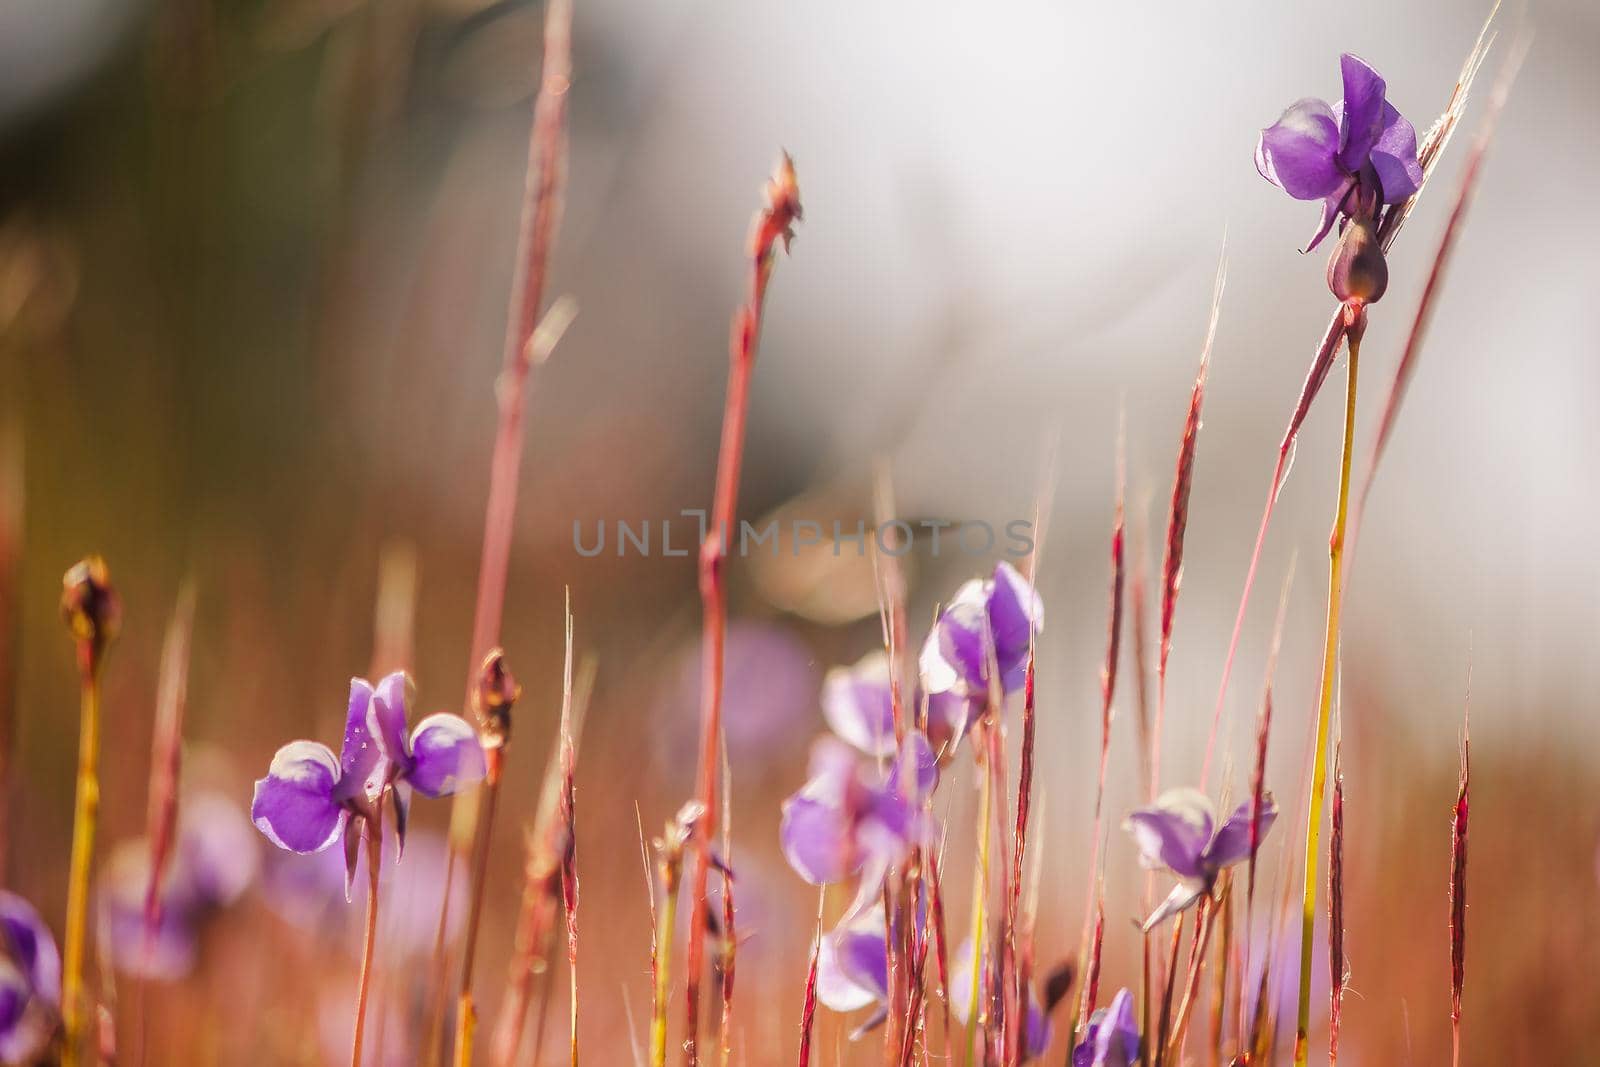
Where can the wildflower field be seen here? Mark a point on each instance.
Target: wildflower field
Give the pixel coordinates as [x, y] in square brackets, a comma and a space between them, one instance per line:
[589, 531]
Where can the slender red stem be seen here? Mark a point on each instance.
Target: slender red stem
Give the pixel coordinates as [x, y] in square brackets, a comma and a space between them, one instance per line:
[771, 223]
[369, 941]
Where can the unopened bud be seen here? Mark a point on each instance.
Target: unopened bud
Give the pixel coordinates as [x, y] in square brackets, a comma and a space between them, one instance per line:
[91, 610]
[1357, 271]
[493, 696]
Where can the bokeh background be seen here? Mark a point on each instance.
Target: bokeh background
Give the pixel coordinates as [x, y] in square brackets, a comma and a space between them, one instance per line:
[254, 260]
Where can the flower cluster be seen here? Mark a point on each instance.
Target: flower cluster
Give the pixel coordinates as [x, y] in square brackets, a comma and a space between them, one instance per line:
[1111, 1038]
[30, 981]
[310, 798]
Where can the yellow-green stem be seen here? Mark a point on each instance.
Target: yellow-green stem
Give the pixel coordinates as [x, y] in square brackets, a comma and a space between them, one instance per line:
[85, 817]
[658, 1015]
[1330, 663]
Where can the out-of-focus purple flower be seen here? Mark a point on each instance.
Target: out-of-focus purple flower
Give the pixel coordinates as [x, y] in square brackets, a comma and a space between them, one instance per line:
[1036, 1033]
[769, 686]
[308, 797]
[309, 894]
[984, 631]
[1179, 833]
[858, 703]
[1353, 155]
[440, 757]
[214, 862]
[1112, 1036]
[849, 814]
[853, 963]
[30, 981]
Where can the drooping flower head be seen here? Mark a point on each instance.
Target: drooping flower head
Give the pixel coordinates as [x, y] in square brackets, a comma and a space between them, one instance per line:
[30, 981]
[852, 815]
[1112, 1036]
[983, 636]
[1179, 833]
[1354, 155]
[853, 966]
[1037, 1031]
[214, 862]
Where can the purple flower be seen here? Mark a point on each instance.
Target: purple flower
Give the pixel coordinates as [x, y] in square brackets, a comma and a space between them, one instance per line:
[214, 861]
[1112, 1036]
[849, 815]
[858, 703]
[853, 966]
[30, 981]
[983, 635]
[1179, 834]
[1353, 156]
[1036, 1033]
[308, 797]
[437, 759]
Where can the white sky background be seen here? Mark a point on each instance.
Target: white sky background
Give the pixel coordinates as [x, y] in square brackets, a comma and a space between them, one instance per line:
[1032, 198]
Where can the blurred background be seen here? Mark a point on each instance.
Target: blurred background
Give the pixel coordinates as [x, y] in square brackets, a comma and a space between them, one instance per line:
[254, 264]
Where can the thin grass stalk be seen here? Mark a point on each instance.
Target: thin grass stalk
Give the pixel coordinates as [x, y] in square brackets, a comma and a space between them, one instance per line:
[941, 946]
[730, 932]
[1139, 607]
[1178, 521]
[1458, 895]
[369, 940]
[1164, 1025]
[1219, 997]
[772, 223]
[526, 346]
[808, 1010]
[548, 844]
[1205, 922]
[90, 608]
[1330, 666]
[569, 858]
[1108, 689]
[980, 888]
[166, 751]
[1336, 970]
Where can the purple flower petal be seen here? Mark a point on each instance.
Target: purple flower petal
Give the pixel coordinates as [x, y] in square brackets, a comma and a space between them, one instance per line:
[964, 643]
[1174, 832]
[1332, 204]
[856, 701]
[30, 946]
[1361, 118]
[853, 964]
[1394, 157]
[386, 719]
[1297, 153]
[815, 836]
[1232, 843]
[1015, 614]
[24, 1028]
[446, 755]
[1183, 894]
[359, 756]
[218, 857]
[1112, 1037]
[294, 804]
[1038, 1032]
[917, 766]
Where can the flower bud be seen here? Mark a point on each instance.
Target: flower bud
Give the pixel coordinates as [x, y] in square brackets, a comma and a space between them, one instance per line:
[493, 695]
[1357, 271]
[91, 609]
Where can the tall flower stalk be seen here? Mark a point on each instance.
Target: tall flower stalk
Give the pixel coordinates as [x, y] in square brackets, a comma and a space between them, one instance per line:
[92, 613]
[774, 222]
